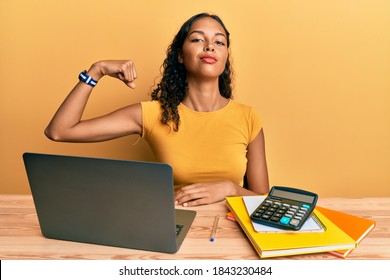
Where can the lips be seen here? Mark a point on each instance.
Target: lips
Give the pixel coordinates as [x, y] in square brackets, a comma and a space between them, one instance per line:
[208, 59]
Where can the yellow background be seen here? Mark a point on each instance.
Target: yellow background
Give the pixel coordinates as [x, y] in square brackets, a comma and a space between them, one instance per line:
[318, 72]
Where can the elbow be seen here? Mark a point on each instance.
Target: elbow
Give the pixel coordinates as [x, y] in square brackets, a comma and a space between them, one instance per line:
[53, 135]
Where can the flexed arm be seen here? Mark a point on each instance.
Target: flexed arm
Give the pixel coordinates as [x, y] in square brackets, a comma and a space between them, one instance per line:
[67, 125]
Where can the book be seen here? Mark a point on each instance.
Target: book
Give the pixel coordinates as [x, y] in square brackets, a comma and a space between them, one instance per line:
[285, 244]
[356, 227]
[312, 224]
[230, 217]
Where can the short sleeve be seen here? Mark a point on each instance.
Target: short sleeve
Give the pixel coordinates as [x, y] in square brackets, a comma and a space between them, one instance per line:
[150, 117]
[255, 124]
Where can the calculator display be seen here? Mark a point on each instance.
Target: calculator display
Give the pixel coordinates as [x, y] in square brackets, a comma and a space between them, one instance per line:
[286, 208]
[293, 196]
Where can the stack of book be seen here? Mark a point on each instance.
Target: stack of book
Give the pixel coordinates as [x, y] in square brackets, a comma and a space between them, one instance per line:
[328, 231]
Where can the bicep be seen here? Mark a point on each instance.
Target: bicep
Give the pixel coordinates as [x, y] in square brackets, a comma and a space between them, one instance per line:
[257, 172]
[122, 122]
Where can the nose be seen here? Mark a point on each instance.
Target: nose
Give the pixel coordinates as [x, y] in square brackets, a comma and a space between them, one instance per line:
[209, 48]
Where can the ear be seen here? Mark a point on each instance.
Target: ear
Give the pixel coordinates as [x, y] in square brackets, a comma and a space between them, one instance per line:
[180, 57]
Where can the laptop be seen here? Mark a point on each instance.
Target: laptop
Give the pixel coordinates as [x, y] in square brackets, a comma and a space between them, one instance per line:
[108, 202]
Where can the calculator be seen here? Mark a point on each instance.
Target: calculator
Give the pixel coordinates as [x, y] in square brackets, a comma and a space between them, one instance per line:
[285, 208]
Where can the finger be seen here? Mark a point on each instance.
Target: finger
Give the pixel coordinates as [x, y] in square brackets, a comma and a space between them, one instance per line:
[131, 85]
[191, 187]
[181, 198]
[120, 74]
[125, 70]
[190, 197]
[197, 202]
[132, 70]
[187, 191]
[124, 76]
[131, 74]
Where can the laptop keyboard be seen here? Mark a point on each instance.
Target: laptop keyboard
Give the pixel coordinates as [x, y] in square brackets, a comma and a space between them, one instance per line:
[178, 229]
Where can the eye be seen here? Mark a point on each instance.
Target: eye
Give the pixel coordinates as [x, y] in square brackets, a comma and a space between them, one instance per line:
[196, 40]
[220, 43]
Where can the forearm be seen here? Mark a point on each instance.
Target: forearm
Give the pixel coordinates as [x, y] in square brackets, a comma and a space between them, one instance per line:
[240, 191]
[71, 110]
[69, 113]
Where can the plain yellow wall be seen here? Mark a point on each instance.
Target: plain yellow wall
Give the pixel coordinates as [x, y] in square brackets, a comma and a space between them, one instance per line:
[318, 72]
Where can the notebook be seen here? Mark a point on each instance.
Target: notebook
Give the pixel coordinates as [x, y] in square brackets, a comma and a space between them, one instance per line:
[108, 202]
[285, 244]
[356, 227]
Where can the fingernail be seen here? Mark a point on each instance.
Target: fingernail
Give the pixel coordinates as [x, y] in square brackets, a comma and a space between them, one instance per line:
[185, 204]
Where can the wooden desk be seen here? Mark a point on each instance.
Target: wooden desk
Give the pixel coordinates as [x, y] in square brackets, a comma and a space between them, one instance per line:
[21, 238]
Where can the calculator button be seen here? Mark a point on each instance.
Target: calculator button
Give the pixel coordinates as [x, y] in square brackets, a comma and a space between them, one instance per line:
[303, 210]
[273, 209]
[286, 205]
[290, 212]
[275, 219]
[300, 215]
[298, 218]
[295, 207]
[277, 215]
[306, 206]
[269, 213]
[283, 208]
[265, 217]
[288, 215]
[285, 220]
[294, 222]
[280, 211]
[263, 207]
[268, 201]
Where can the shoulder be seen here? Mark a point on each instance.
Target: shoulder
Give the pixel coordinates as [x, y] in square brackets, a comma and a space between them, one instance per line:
[151, 112]
[248, 115]
[153, 105]
[244, 109]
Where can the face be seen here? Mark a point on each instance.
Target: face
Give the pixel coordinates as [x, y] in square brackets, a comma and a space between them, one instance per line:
[205, 51]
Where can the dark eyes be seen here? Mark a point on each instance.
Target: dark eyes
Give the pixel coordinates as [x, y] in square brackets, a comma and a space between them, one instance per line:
[198, 40]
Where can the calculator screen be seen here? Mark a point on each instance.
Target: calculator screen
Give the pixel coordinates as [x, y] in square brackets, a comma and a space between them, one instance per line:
[293, 196]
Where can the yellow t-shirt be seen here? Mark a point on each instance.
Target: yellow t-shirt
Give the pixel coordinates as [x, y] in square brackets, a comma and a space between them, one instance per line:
[209, 146]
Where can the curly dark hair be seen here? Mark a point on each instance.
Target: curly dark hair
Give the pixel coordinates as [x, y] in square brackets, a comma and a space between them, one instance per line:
[173, 85]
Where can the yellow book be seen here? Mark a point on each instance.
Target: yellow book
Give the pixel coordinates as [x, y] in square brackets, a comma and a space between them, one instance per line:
[284, 244]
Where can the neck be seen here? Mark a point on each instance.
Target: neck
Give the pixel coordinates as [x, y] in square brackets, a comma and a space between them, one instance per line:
[204, 97]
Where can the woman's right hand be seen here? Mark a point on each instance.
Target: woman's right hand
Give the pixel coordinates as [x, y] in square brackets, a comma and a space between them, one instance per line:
[123, 70]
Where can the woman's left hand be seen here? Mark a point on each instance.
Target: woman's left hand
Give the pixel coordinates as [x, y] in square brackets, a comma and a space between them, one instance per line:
[204, 193]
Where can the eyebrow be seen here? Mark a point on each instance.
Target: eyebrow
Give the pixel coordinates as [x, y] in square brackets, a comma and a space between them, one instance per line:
[202, 33]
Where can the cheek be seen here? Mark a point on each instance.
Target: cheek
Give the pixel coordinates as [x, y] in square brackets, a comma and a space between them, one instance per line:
[185, 56]
[189, 61]
[224, 62]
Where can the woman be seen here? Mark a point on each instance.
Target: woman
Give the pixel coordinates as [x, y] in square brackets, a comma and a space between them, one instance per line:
[191, 123]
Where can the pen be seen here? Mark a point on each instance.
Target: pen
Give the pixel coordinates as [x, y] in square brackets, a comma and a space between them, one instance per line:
[214, 231]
